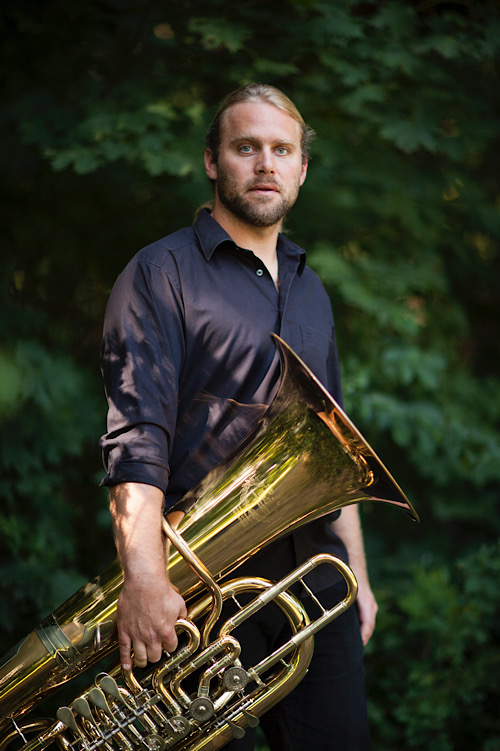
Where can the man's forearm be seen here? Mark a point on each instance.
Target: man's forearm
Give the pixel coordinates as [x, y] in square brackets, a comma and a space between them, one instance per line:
[148, 606]
[136, 511]
[348, 528]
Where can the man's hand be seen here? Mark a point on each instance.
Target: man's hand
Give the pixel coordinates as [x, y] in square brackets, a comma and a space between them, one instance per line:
[147, 612]
[367, 609]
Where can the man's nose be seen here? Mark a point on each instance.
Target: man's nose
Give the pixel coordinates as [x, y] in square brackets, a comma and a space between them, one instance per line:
[265, 161]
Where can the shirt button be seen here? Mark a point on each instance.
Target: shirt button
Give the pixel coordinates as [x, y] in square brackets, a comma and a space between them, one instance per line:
[259, 272]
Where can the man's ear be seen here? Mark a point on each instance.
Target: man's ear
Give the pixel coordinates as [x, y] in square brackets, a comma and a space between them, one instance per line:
[210, 165]
[303, 173]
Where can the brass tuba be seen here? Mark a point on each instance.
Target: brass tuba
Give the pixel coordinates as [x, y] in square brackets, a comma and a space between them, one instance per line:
[304, 459]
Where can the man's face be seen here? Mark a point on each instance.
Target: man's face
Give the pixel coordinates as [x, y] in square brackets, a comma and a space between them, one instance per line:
[259, 170]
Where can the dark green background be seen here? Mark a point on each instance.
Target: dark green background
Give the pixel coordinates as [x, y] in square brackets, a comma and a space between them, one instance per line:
[105, 105]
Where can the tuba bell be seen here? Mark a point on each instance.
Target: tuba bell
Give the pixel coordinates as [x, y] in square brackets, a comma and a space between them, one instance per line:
[303, 459]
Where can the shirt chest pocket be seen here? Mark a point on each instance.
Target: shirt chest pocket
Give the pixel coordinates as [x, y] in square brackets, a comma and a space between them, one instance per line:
[312, 345]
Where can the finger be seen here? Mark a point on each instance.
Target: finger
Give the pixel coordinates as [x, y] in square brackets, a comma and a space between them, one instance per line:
[140, 655]
[154, 652]
[169, 643]
[366, 635]
[125, 656]
[367, 629]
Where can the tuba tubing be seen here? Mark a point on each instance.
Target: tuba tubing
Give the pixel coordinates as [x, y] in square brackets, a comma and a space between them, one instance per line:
[303, 460]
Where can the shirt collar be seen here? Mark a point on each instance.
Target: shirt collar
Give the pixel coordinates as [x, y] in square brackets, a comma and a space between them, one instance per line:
[210, 235]
[292, 250]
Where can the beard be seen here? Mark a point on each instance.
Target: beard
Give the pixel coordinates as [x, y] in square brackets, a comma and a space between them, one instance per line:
[261, 211]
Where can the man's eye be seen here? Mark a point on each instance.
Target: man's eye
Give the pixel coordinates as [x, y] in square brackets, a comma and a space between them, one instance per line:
[245, 149]
[282, 150]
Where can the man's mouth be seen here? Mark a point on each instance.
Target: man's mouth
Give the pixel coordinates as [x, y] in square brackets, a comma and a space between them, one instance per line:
[264, 188]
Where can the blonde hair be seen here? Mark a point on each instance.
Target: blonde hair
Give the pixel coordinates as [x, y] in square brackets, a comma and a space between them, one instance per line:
[258, 92]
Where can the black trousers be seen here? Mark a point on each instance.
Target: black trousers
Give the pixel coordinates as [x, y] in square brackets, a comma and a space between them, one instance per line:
[327, 710]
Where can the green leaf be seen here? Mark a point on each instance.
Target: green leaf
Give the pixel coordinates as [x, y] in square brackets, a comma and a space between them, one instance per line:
[274, 68]
[217, 33]
[409, 135]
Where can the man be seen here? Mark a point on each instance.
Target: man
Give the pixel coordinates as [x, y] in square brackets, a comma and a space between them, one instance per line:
[189, 367]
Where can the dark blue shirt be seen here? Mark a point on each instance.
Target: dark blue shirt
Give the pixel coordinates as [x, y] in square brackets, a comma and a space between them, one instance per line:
[188, 362]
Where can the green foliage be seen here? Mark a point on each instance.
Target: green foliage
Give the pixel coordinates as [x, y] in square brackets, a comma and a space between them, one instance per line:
[103, 125]
[434, 662]
[47, 413]
[448, 428]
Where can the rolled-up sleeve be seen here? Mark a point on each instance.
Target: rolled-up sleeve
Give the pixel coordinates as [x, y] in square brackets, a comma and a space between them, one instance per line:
[142, 355]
